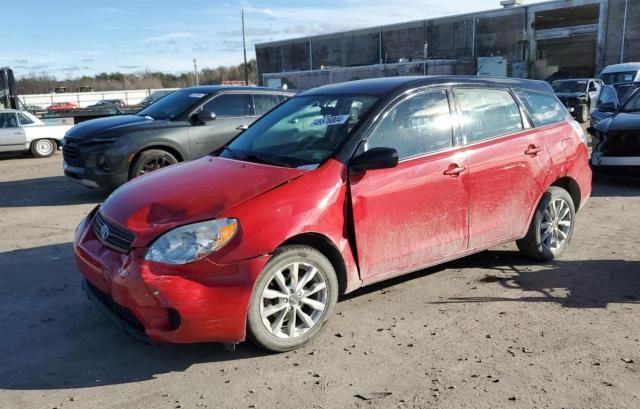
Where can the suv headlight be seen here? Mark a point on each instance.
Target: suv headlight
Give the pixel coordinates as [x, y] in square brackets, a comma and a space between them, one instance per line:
[191, 242]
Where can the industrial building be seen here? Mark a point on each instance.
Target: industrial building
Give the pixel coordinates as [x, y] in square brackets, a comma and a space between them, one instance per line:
[554, 39]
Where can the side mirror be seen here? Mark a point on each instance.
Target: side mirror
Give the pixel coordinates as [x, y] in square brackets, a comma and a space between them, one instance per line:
[204, 116]
[376, 158]
[608, 107]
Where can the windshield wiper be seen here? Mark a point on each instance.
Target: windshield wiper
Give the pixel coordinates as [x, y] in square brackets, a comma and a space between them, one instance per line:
[252, 157]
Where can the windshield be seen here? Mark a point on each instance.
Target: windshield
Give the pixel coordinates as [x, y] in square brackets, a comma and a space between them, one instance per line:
[616, 77]
[302, 132]
[633, 104]
[569, 86]
[174, 104]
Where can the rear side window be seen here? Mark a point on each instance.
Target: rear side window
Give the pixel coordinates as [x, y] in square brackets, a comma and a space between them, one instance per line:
[544, 109]
[265, 102]
[25, 120]
[230, 105]
[488, 113]
[418, 125]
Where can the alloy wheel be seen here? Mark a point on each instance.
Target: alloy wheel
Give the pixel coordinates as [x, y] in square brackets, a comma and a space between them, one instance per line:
[556, 225]
[154, 164]
[294, 300]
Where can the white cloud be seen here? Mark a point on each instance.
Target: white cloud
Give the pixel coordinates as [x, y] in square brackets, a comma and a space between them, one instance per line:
[168, 37]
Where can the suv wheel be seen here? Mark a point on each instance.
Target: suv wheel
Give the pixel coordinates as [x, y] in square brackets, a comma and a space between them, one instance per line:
[583, 114]
[151, 160]
[552, 226]
[293, 299]
[43, 148]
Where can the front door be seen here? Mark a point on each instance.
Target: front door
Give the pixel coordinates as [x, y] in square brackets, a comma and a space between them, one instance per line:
[12, 137]
[507, 165]
[416, 213]
[233, 113]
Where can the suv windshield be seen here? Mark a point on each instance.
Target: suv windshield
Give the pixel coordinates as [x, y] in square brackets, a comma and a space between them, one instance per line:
[569, 86]
[633, 104]
[304, 131]
[174, 104]
[616, 77]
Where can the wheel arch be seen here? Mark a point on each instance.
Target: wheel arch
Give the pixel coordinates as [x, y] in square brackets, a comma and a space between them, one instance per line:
[177, 153]
[572, 187]
[328, 249]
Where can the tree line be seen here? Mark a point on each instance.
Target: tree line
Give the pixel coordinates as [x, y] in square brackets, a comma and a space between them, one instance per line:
[114, 81]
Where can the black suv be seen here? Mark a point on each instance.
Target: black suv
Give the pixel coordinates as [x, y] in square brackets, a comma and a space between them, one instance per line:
[184, 125]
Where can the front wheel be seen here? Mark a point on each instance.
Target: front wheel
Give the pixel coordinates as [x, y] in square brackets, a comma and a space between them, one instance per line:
[43, 148]
[583, 113]
[292, 300]
[151, 160]
[552, 226]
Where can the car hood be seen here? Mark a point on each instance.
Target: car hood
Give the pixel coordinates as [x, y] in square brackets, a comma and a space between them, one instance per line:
[113, 126]
[189, 192]
[621, 122]
[570, 94]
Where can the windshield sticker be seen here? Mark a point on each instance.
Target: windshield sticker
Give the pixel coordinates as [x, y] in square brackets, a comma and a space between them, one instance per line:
[331, 120]
[196, 95]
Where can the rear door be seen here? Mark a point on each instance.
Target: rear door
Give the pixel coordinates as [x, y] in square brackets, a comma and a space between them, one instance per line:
[414, 214]
[12, 137]
[234, 111]
[507, 164]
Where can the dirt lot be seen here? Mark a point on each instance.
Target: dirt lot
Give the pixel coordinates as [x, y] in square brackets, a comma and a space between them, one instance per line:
[490, 331]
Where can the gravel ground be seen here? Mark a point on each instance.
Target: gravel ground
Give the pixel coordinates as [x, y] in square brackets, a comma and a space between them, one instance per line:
[493, 330]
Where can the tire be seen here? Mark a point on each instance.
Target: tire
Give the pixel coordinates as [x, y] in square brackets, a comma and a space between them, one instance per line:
[43, 148]
[539, 245]
[151, 160]
[281, 336]
[582, 114]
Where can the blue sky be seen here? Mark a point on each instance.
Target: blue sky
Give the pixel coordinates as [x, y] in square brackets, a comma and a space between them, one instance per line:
[68, 38]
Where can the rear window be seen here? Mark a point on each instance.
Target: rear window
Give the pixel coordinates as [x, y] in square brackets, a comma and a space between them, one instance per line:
[544, 109]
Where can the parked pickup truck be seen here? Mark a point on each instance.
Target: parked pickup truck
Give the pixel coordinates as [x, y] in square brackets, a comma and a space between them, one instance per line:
[21, 131]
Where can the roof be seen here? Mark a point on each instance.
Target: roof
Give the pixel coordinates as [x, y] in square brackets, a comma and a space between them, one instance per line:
[621, 67]
[210, 89]
[382, 86]
[577, 79]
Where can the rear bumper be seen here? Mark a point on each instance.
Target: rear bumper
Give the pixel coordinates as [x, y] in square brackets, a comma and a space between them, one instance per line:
[598, 160]
[204, 302]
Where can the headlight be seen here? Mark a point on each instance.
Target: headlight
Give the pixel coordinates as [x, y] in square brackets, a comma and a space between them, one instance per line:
[191, 242]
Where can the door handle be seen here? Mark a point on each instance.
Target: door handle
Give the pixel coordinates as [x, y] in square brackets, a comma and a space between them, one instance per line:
[454, 170]
[532, 150]
[241, 127]
[17, 133]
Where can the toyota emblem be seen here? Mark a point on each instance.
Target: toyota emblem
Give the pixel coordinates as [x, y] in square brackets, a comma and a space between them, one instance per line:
[104, 232]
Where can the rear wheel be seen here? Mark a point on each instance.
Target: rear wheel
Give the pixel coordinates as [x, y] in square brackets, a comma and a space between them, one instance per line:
[151, 160]
[43, 148]
[552, 226]
[293, 299]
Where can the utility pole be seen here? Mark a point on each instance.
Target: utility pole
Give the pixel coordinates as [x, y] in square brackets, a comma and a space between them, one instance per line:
[195, 71]
[244, 49]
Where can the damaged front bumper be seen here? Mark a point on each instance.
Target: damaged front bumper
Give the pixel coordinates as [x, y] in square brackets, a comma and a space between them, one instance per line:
[202, 302]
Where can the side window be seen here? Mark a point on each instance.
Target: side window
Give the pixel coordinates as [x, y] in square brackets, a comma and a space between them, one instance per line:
[415, 126]
[592, 86]
[265, 102]
[24, 120]
[608, 94]
[8, 120]
[488, 113]
[230, 105]
[545, 109]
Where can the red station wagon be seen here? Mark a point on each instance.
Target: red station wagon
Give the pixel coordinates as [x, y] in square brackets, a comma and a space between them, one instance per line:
[337, 188]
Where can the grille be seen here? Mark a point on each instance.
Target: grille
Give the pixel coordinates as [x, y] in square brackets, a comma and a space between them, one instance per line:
[621, 144]
[71, 156]
[112, 236]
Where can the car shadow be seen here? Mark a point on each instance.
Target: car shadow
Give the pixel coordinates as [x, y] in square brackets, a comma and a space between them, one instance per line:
[54, 338]
[47, 191]
[569, 283]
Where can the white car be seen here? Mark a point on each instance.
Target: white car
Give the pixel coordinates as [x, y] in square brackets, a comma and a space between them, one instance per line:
[21, 131]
